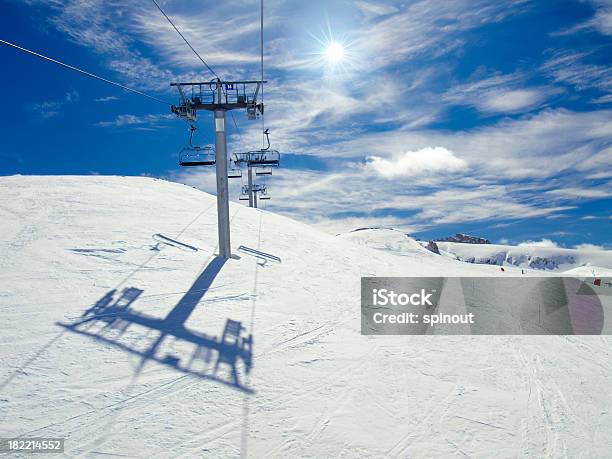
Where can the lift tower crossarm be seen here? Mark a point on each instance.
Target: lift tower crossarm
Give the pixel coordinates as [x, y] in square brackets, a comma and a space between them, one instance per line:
[233, 95]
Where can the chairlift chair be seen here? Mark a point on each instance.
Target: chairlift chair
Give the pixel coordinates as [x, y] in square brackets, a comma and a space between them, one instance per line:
[234, 173]
[243, 197]
[264, 193]
[263, 171]
[195, 155]
[265, 158]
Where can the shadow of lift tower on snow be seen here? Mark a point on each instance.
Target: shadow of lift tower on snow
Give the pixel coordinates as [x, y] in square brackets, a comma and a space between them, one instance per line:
[108, 319]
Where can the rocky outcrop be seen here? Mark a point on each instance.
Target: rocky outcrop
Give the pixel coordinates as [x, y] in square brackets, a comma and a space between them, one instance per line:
[466, 239]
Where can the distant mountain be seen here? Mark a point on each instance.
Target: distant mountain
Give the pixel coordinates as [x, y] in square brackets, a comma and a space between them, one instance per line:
[465, 239]
[570, 261]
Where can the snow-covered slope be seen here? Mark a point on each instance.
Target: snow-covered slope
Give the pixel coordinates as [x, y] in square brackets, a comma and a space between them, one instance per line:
[387, 239]
[122, 332]
[594, 262]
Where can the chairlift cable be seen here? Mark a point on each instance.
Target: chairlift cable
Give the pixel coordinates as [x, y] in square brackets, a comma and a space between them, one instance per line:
[261, 46]
[89, 74]
[210, 69]
[185, 40]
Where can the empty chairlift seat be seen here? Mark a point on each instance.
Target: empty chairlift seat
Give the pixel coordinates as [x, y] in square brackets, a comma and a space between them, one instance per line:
[258, 159]
[234, 173]
[264, 158]
[263, 171]
[197, 156]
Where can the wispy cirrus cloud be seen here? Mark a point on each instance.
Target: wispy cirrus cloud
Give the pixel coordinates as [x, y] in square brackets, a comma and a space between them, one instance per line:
[600, 22]
[569, 67]
[499, 94]
[426, 26]
[52, 108]
[140, 122]
[106, 99]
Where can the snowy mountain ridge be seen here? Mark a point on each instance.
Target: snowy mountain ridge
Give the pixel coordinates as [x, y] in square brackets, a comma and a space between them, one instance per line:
[540, 259]
[587, 262]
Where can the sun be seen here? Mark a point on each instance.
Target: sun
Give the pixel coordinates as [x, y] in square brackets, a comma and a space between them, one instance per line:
[334, 52]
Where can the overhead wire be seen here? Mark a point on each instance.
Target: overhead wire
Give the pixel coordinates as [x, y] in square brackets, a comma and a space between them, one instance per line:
[84, 72]
[185, 40]
[261, 47]
[210, 69]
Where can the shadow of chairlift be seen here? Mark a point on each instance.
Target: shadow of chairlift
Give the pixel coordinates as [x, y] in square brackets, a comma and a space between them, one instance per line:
[108, 320]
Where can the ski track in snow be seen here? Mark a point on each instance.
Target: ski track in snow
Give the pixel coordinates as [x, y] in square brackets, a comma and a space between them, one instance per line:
[317, 388]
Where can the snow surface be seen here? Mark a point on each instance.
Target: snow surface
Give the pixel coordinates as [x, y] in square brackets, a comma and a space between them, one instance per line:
[137, 376]
[593, 262]
[388, 239]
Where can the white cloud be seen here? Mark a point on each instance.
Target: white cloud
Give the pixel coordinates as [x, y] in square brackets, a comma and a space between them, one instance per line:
[52, 108]
[569, 67]
[424, 161]
[498, 94]
[601, 21]
[427, 26]
[589, 247]
[512, 100]
[375, 9]
[538, 146]
[106, 99]
[584, 192]
[150, 121]
[541, 243]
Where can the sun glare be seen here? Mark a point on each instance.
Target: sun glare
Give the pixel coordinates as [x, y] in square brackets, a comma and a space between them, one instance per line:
[334, 52]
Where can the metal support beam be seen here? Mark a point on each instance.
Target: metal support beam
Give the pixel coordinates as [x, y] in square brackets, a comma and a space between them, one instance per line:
[251, 193]
[223, 222]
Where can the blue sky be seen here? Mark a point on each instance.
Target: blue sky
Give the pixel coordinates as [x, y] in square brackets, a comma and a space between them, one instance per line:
[493, 118]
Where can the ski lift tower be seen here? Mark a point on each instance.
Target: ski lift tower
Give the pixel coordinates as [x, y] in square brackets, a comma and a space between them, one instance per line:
[262, 161]
[219, 97]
